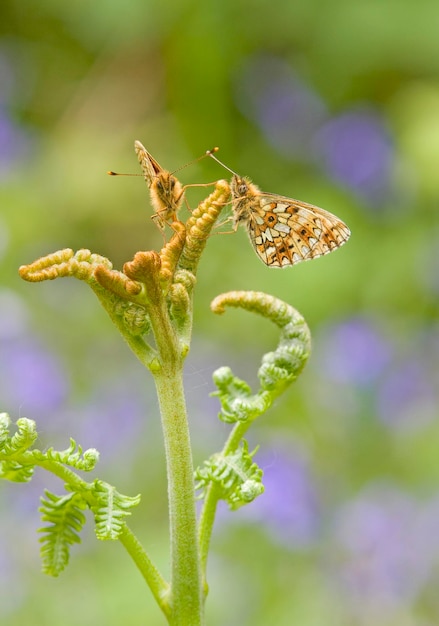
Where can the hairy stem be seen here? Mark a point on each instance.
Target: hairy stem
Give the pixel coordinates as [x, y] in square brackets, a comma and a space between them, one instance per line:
[159, 587]
[207, 520]
[208, 512]
[186, 601]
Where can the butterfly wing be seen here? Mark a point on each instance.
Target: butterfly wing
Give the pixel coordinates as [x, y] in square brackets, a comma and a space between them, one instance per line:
[284, 231]
[165, 190]
[150, 168]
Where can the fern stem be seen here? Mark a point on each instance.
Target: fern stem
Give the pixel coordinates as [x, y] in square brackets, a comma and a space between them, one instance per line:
[208, 512]
[186, 598]
[64, 473]
[158, 585]
[207, 520]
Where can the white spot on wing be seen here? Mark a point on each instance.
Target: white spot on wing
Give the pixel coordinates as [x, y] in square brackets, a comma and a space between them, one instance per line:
[271, 250]
[280, 208]
[282, 228]
[266, 235]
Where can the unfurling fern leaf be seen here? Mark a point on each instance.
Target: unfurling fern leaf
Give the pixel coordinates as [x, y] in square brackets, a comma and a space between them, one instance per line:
[238, 404]
[238, 478]
[21, 440]
[15, 472]
[73, 456]
[110, 510]
[11, 467]
[5, 422]
[25, 436]
[66, 519]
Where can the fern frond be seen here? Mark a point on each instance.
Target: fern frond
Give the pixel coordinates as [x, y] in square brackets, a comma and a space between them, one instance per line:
[236, 475]
[65, 519]
[72, 456]
[15, 472]
[110, 510]
[5, 422]
[11, 468]
[238, 404]
[278, 368]
[22, 439]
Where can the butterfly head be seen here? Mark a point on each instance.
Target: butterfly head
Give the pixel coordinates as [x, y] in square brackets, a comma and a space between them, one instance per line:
[239, 186]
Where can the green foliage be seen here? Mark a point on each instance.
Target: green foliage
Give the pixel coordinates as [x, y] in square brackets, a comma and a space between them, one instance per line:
[154, 293]
[70, 111]
[22, 439]
[110, 509]
[237, 476]
[237, 402]
[134, 317]
[11, 466]
[232, 475]
[65, 521]
[62, 513]
[18, 461]
[4, 429]
[278, 369]
[71, 456]
[281, 367]
[16, 472]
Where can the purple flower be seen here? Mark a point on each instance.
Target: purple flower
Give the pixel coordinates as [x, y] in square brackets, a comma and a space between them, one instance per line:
[114, 416]
[289, 506]
[408, 397]
[356, 150]
[13, 315]
[288, 112]
[13, 144]
[13, 141]
[388, 547]
[33, 379]
[353, 352]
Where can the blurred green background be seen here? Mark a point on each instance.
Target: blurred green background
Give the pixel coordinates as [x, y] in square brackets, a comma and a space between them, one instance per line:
[336, 103]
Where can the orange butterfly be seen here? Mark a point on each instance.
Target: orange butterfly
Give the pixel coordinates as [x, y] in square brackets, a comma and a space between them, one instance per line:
[283, 231]
[166, 191]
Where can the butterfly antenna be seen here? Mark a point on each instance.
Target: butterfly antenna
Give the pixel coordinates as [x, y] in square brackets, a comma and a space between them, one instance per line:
[210, 153]
[203, 156]
[110, 173]
[207, 153]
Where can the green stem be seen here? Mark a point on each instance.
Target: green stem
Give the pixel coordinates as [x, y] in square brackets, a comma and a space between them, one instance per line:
[58, 469]
[186, 599]
[158, 585]
[207, 520]
[208, 512]
[186, 602]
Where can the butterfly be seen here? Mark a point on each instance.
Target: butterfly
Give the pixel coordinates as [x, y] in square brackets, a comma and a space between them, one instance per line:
[283, 231]
[166, 191]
